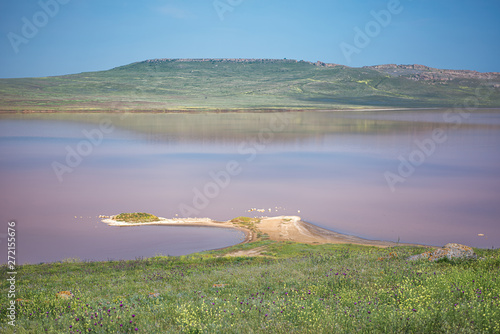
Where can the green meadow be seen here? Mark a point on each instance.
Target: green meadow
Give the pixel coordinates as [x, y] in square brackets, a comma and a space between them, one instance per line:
[292, 288]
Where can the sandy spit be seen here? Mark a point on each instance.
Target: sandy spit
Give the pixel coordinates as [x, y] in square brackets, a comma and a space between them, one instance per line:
[281, 228]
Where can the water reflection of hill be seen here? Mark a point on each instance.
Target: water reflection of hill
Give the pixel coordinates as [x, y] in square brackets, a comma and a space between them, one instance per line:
[226, 128]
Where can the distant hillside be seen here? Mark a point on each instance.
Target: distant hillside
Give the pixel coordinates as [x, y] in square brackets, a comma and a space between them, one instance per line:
[421, 72]
[248, 84]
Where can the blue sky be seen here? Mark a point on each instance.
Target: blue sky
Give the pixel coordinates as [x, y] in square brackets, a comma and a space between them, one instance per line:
[92, 35]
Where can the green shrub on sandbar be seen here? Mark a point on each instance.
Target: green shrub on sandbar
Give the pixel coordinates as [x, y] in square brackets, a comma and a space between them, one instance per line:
[136, 217]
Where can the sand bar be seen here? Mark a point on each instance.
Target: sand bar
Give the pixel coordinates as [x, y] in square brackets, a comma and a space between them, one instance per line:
[280, 228]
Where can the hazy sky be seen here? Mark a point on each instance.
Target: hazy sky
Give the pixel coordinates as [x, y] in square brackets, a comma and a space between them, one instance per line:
[53, 37]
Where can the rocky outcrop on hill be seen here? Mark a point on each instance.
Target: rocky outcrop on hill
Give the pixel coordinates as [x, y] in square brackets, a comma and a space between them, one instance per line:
[424, 73]
[221, 60]
[450, 251]
[240, 60]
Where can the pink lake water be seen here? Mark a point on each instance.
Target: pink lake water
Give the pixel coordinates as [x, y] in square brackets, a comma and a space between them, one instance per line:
[330, 168]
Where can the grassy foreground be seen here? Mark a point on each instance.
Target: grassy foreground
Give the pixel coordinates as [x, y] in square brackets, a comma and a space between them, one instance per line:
[294, 288]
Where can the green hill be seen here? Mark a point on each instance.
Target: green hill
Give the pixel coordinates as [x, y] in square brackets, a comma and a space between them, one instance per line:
[242, 84]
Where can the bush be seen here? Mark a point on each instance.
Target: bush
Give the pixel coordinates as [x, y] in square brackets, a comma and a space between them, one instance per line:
[136, 217]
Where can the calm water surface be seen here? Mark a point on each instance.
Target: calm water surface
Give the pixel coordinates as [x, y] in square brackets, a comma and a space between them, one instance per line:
[333, 167]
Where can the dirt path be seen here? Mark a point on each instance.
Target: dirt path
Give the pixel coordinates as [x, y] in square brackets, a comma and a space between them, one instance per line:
[249, 252]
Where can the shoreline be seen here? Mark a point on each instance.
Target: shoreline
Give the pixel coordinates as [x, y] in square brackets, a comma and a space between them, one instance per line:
[280, 228]
[187, 222]
[217, 110]
[6, 112]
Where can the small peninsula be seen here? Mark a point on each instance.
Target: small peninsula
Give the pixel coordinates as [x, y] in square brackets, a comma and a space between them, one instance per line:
[280, 228]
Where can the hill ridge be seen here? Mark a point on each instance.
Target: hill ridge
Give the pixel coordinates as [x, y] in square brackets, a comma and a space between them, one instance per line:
[239, 60]
[317, 63]
[414, 72]
[241, 84]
